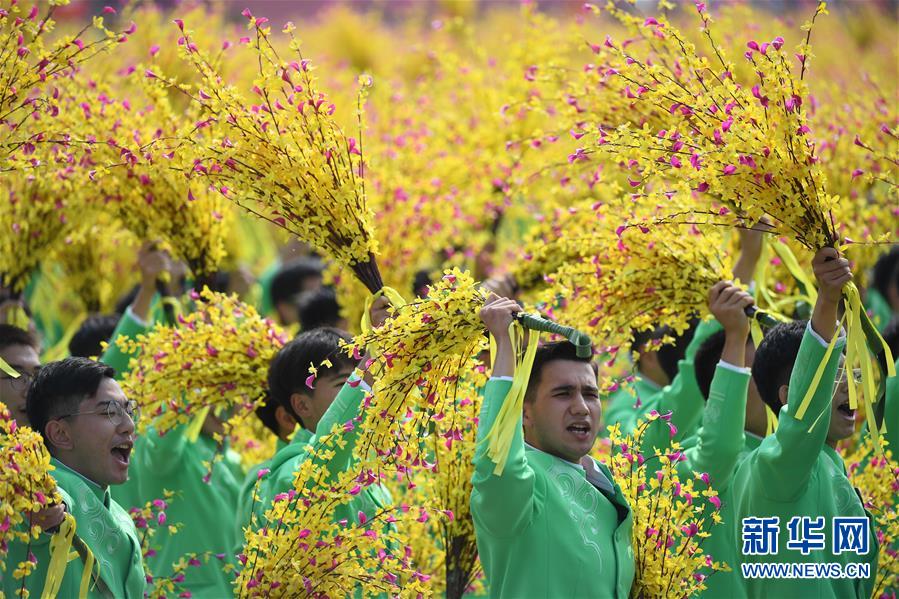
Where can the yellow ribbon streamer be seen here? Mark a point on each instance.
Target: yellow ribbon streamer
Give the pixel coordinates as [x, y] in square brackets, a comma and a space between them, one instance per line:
[798, 273]
[755, 330]
[396, 300]
[499, 439]
[84, 587]
[819, 373]
[858, 357]
[60, 543]
[771, 427]
[193, 429]
[5, 367]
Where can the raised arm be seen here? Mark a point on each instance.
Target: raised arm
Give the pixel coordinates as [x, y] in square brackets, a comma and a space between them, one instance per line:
[500, 504]
[785, 464]
[136, 319]
[720, 438]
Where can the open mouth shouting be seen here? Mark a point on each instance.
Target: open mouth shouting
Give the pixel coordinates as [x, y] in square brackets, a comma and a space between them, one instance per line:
[121, 453]
[845, 411]
[581, 430]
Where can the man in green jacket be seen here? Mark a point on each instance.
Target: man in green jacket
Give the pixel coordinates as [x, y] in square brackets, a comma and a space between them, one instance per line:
[295, 402]
[88, 427]
[344, 408]
[795, 504]
[733, 424]
[553, 523]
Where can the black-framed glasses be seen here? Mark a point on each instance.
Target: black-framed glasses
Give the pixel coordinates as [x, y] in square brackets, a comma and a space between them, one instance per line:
[114, 410]
[22, 382]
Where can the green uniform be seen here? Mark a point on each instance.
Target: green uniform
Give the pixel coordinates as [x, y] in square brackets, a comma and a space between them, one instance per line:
[794, 473]
[879, 308]
[204, 510]
[717, 449]
[286, 463]
[682, 397]
[104, 527]
[129, 326]
[248, 500]
[547, 528]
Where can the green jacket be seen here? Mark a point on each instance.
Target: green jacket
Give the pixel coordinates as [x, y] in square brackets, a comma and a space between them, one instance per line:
[286, 463]
[682, 397]
[130, 327]
[794, 473]
[204, 510]
[881, 312]
[248, 498]
[104, 527]
[717, 449]
[547, 528]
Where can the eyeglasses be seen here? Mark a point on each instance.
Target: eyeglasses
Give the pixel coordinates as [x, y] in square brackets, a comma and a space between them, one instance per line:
[115, 411]
[21, 382]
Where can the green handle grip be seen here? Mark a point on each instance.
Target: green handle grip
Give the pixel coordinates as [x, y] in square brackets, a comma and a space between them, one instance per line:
[536, 323]
[761, 316]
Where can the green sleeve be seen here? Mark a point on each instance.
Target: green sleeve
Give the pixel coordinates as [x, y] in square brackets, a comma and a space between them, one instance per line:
[786, 464]
[128, 327]
[502, 504]
[721, 437]
[342, 410]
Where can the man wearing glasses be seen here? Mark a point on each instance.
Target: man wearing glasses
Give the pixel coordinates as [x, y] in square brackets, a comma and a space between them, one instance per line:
[88, 428]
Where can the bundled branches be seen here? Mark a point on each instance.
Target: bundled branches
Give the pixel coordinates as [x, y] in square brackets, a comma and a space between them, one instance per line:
[418, 356]
[446, 548]
[216, 358]
[747, 147]
[876, 475]
[569, 235]
[283, 156]
[305, 551]
[651, 276]
[25, 486]
[671, 517]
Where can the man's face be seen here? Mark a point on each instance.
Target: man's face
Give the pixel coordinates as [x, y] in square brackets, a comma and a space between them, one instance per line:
[842, 418]
[100, 446]
[562, 419]
[326, 389]
[24, 360]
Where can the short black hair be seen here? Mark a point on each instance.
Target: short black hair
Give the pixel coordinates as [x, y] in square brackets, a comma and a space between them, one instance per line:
[318, 308]
[289, 369]
[775, 358]
[706, 360]
[886, 272]
[88, 339]
[288, 282]
[669, 353]
[11, 335]
[550, 352]
[265, 411]
[60, 387]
